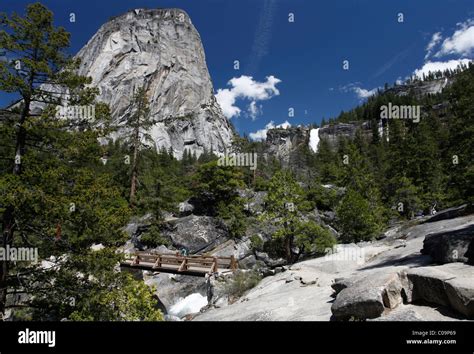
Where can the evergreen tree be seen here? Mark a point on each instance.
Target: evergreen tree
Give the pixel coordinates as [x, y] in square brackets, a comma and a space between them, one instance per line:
[139, 122]
[56, 196]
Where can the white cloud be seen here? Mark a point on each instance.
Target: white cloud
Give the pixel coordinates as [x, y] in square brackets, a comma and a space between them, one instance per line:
[254, 110]
[359, 91]
[226, 100]
[435, 39]
[363, 93]
[262, 133]
[461, 42]
[245, 87]
[439, 65]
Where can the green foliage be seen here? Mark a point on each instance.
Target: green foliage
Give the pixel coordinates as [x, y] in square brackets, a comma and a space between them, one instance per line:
[217, 185]
[256, 243]
[321, 197]
[86, 288]
[313, 238]
[283, 200]
[234, 217]
[405, 199]
[153, 238]
[241, 282]
[56, 194]
[356, 219]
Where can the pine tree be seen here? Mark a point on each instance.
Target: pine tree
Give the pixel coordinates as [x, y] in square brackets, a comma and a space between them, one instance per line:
[56, 195]
[139, 122]
[38, 48]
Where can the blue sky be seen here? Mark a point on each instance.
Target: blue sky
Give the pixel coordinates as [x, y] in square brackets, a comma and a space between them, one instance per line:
[305, 57]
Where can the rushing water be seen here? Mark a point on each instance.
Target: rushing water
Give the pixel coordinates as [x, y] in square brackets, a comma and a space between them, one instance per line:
[314, 139]
[190, 304]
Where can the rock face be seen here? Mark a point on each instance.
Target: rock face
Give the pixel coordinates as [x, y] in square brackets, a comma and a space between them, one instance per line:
[368, 297]
[382, 280]
[449, 285]
[421, 88]
[198, 234]
[162, 50]
[170, 288]
[285, 143]
[334, 132]
[450, 213]
[448, 247]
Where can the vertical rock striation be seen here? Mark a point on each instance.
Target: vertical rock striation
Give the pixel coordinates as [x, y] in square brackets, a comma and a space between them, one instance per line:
[161, 49]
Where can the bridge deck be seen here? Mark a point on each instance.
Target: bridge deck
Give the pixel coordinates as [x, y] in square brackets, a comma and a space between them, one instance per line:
[196, 265]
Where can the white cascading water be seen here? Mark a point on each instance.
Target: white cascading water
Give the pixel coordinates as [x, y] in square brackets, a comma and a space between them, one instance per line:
[190, 304]
[314, 139]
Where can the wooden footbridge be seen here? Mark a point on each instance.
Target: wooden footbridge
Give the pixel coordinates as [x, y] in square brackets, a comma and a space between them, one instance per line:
[196, 265]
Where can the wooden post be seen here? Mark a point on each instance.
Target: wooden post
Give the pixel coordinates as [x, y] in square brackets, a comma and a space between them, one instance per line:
[136, 260]
[233, 263]
[158, 262]
[214, 266]
[184, 265]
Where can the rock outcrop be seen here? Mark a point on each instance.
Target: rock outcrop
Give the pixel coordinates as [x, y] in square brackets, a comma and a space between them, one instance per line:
[332, 133]
[161, 50]
[385, 280]
[285, 144]
[448, 285]
[368, 297]
[421, 88]
[449, 246]
[198, 234]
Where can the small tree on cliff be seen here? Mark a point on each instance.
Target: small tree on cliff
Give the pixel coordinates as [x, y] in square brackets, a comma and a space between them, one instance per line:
[138, 123]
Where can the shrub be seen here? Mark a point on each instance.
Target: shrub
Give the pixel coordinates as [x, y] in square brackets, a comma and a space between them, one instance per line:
[153, 238]
[241, 282]
[256, 243]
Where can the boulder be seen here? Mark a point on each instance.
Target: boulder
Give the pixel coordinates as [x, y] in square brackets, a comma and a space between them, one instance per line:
[185, 208]
[427, 283]
[449, 246]
[255, 201]
[240, 249]
[448, 285]
[460, 292]
[368, 297]
[340, 284]
[450, 213]
[402, 315]
[271, 262]
[171, 288]
[248, 262]
[195, 233]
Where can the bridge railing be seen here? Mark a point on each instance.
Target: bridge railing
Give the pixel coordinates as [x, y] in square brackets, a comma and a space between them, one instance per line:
[180, 263]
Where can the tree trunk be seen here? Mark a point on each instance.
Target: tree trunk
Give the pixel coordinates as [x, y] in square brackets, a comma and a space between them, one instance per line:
[133, 183]
[288, 249]
[8, 223]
